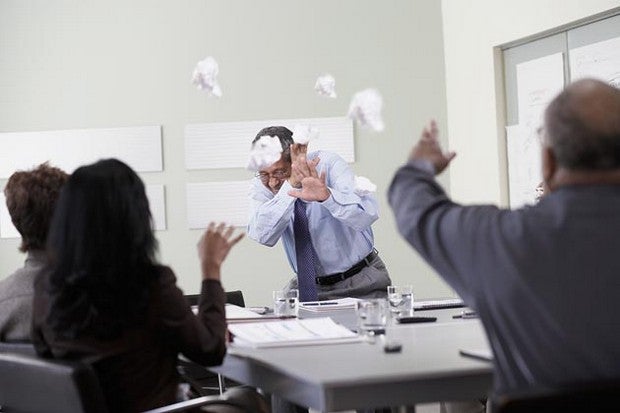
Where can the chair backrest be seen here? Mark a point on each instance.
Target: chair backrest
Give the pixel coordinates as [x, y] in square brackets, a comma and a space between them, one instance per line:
[31, 385]
[597, 396]
[232, 297]
[20, 347]
[235, 297]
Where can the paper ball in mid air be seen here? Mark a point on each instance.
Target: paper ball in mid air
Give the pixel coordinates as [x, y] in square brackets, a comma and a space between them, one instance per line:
[363, 186]
[366, 108]
[205, 76]
[266, 151]
[304, 133]
[326, 86]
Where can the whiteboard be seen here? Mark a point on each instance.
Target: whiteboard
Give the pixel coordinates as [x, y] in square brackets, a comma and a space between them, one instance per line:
[590, 49]
[538, 82]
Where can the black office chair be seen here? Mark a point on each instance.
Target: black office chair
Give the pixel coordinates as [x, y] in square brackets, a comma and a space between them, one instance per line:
[35, 385]
[202, 381]
[597, 396]
[232, 297]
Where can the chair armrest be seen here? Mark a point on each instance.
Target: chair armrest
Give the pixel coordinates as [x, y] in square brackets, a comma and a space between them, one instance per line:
[197, 402]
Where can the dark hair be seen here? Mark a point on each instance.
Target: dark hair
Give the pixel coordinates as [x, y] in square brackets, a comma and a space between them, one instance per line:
[284, 134]
[101, 252]
[583, 126]
[30, 198]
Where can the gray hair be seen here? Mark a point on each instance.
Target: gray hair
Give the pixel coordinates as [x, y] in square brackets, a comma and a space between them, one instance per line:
[284, 135]
[583, 126]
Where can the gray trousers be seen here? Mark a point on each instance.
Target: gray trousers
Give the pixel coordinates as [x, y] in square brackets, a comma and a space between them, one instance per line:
[371, 282]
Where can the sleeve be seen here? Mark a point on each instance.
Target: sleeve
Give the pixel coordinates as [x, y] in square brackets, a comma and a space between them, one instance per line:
[270, 214]
[449, 236]
[200, 337]
[357, 212]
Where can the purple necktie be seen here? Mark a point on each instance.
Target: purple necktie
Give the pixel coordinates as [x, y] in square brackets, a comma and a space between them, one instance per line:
[306, 273]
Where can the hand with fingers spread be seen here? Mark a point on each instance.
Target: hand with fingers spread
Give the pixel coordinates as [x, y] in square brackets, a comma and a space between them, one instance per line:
[298, 157]
[213, 248]
[313, 185]
[429, 149]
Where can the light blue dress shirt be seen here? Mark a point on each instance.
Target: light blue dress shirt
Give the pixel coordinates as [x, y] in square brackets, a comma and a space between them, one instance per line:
[339, 226]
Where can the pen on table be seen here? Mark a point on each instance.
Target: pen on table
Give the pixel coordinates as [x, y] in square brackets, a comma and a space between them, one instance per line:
[466, 314]
[321, 303]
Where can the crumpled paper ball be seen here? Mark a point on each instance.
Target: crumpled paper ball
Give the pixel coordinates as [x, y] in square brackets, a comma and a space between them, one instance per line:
[266, 151]
[363, 186]
[304, 133]
[204, 76]
[366, 108]
[326, 86]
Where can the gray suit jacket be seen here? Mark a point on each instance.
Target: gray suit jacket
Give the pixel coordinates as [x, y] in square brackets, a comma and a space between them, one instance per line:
[16, 293]
[545, 279]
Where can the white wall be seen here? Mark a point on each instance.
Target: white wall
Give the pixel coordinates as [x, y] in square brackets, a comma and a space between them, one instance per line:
[86, 64]
[473, 30]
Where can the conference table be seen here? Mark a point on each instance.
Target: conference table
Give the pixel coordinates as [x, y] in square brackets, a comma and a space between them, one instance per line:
[335, 377]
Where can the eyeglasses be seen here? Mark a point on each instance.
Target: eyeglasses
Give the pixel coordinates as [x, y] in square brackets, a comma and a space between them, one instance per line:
[279, 174]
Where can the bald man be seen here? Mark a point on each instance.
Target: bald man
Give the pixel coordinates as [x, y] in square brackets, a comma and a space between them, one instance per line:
[545, 279]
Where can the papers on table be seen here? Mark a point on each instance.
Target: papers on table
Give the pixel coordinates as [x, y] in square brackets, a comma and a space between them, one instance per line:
[438, 304]
[330, 305]
[236, 313]
[293, 332]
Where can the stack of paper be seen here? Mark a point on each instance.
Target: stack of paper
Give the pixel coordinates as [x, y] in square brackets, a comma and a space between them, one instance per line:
[294, 332]
[331, 305]
[234, 313]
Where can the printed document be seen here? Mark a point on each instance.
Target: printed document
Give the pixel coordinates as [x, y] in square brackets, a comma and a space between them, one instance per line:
[293, 332]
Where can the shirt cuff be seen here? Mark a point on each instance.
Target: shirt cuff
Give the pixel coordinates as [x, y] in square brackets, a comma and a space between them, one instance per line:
[338, 200]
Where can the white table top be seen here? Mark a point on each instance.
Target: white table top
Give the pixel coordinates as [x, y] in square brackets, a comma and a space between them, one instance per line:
[361, 375]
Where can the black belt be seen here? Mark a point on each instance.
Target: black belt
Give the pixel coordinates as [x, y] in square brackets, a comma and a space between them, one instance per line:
[334, 278]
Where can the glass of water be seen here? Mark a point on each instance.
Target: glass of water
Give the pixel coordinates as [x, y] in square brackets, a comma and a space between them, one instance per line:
[286, 303]
[400, 298]
[372, 316]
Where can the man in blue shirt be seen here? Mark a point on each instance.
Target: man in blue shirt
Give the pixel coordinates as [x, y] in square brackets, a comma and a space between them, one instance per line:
[339, 220]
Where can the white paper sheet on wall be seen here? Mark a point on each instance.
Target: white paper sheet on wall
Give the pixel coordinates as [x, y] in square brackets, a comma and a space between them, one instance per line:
[139, 147]
[599, 60]
[157, 203]
[538, 82]
[155, 194]
[227, 202]
[524, 166]
[7, 229]
[227, 144]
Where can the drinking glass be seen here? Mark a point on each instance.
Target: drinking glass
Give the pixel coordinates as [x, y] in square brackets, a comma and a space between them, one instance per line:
[400, 299]
[286, 303]
[372, 315]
